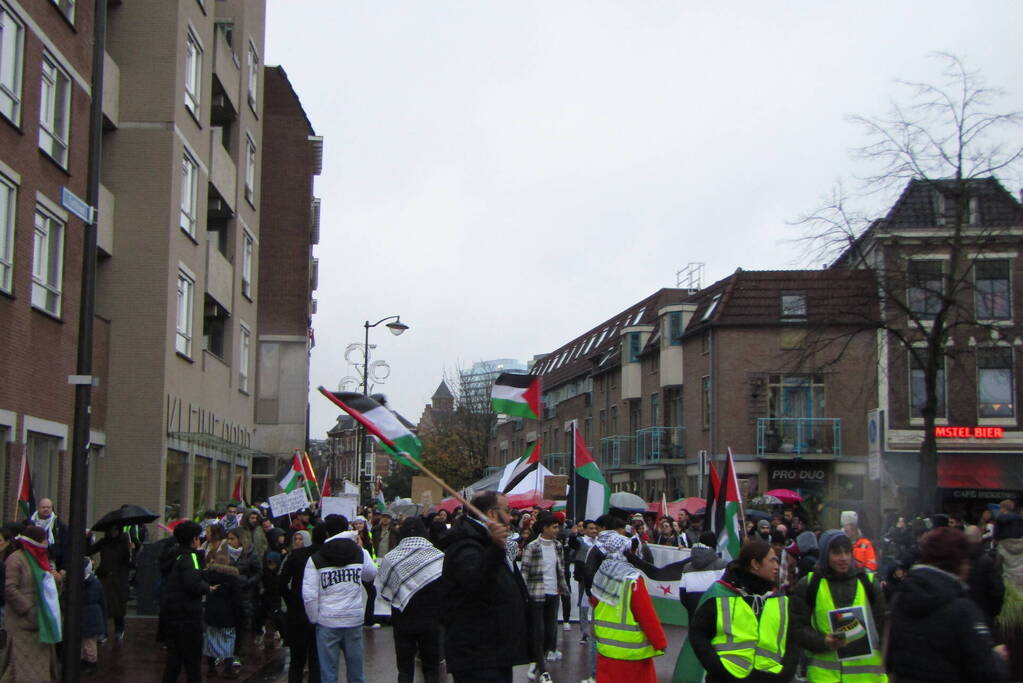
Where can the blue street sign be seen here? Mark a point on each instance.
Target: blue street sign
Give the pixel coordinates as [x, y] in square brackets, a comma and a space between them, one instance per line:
[76, 205]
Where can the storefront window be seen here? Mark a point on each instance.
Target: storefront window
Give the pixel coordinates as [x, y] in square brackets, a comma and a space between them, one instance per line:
[174, 487]
[223, 483]
[201, 484]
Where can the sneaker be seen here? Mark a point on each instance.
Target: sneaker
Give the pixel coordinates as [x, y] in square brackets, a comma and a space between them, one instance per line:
[567, 626]
[584, 639]
[119, 635]
[591, 679]
[549, 656]
[545, 677]
[531, 674]
[375, 625]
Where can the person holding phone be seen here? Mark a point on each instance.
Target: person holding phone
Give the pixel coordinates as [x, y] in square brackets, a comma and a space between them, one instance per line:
[836, 583]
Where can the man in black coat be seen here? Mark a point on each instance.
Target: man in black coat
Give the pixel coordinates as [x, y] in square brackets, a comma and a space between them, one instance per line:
[987, 589]
[300, 635]
[181, 605]
[486, 618]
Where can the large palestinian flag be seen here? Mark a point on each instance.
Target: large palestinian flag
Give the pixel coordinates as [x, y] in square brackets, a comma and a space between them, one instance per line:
[730, 525]
[516, 395]
[397, 440]
[526, 466]
[588, 495]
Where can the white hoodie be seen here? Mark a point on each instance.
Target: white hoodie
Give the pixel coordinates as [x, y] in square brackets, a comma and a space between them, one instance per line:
[332, 585]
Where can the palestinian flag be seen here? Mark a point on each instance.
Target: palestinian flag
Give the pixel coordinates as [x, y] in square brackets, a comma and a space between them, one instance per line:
[730, 526]
[589, 495]
[26, 497]
[378, 497]
[526, 466]
[714, 498]
[663, 581]
[311, 483]
[238, 495]
[47, 602]
[402, 444]
[516, 395]
[295, 476]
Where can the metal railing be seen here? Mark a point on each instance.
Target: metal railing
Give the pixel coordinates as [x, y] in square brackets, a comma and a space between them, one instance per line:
[614, 451]
[654, 444]
[556, 462]
[799, 435]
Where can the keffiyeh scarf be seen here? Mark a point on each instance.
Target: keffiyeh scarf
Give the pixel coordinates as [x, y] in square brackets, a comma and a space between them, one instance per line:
[413, 564]
[614, 571]
[46, 524]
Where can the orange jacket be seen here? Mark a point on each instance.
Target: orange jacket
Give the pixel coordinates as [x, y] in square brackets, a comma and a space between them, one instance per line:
[863, 553]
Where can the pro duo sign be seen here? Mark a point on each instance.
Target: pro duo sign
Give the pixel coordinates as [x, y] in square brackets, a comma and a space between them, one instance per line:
[789, 476]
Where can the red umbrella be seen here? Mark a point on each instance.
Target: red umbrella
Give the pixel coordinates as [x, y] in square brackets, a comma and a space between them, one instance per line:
[520, 501]
[692, 505]
[448, 504]
[785, 495]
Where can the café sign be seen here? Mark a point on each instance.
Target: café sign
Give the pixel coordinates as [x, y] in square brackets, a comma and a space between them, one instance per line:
[969, 432]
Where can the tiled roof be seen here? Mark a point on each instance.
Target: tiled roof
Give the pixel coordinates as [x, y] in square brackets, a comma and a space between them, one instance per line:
[600, 347]
[752, 297]
[916, 207]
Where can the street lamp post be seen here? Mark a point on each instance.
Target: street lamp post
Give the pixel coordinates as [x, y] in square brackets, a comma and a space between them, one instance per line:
[366, 482]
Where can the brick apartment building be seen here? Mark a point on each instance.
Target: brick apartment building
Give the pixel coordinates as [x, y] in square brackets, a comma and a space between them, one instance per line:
[288, 273]
[45, 95]
[343, 452]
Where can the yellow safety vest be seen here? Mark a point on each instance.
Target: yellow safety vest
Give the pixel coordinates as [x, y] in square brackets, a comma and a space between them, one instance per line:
[745, 643]
[825, 667]
[616, 631]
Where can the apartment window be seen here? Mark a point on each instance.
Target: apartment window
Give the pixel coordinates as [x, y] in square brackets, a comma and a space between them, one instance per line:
[917, 388]
[675, 328]
[974, 209]
[796, 396]
[655, 409]
[995, 391]
[924, 279]
[54, 111]
[67, 8]
[253, 76]
[793, 306]
[12, 45]
[44, 464]
[8, 198]
[635, 416]
[705, 401]
[193, 73]
[186, 291]
[250, 170]
[992, 291]
[47, 262]
[634, 346]
[602, 423]
[247, 249]
[614, 419]
[189, 194]
[243, 358]
[705, 342]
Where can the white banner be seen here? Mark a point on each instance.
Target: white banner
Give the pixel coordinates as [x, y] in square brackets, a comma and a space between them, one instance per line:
[345, 504]
[287, 503]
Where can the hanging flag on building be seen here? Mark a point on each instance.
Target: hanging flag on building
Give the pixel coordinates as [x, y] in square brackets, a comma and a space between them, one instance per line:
[518, 471]
[516, 395]
[238, 495]
[295, 476]
[397, 440]
[26, 496]
[731, 524]
[588, 495]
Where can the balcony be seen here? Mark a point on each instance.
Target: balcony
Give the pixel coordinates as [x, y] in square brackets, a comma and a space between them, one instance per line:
[105, 223]
[614, 451]
[226, 80]
[557, 463]
[224, 178]
[799, 436]
[658, 444]
[219, 276]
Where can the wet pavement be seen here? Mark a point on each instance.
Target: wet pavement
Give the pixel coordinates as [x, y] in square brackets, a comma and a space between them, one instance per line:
[140, 659]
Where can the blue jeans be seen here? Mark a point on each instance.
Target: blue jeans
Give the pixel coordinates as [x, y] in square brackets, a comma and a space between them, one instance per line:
[330, 643]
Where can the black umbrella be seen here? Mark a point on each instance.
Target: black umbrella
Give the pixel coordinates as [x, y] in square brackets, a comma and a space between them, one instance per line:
[126, 515]
[758, 515]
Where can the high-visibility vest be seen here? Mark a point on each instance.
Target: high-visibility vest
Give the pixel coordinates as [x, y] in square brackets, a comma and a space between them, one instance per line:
[745, 643]
[617, 633]
[825, 667]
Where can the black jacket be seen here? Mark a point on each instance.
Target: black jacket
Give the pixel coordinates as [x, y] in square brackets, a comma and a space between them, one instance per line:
[937, 634]
[224, 605]
[183, 587]
[485, 616]
[703, 627]
[423, 612]
[987, 589]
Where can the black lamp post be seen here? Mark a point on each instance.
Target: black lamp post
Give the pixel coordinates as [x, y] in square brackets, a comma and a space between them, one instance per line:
[396, 327]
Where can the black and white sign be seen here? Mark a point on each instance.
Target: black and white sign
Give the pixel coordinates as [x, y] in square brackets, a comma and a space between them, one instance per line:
[797, 475]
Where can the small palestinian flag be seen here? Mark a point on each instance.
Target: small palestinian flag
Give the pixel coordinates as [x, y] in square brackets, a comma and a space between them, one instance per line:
[589, 495]
[238, 495]
[397, 440]
[378, 497]
[311, 483]
[295, 476]
[516, 472]
[516, 395]
[26, 496]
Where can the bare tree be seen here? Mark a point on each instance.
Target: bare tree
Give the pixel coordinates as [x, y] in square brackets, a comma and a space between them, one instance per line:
[944, 144]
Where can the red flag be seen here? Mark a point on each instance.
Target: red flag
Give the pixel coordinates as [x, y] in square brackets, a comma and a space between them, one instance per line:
[238, 495]
[325, 492]
[26, 497]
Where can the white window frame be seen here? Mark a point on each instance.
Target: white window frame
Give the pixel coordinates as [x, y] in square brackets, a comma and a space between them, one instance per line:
[998, 419]
[244, 356]
[253, 65]
[189, 194]
[193, 72]
[248, 250]
[67, 8]
[54, 110]
[47, 262]
[793, 306]
[8, 210]
[250, 170]
[185, 313]
[978, 296]
[940, 418]
[12, 58]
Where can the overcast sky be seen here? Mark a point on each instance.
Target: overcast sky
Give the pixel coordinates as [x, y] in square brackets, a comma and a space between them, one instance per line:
[506, 175]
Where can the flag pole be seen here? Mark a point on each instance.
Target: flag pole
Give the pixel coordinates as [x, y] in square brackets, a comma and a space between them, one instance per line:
[420, 466]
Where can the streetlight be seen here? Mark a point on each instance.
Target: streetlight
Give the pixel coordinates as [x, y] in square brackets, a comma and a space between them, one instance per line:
[397, 327]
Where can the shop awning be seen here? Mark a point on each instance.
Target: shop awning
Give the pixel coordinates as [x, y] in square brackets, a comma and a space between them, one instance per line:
[980, 471]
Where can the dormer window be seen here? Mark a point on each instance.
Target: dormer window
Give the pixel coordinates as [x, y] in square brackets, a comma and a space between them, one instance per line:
[793, 306]
[710, 307]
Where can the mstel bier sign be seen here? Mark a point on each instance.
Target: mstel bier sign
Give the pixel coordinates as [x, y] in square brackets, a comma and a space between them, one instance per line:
[969, 432]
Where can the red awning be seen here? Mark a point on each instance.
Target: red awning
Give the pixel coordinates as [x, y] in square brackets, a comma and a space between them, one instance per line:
[980, 471]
